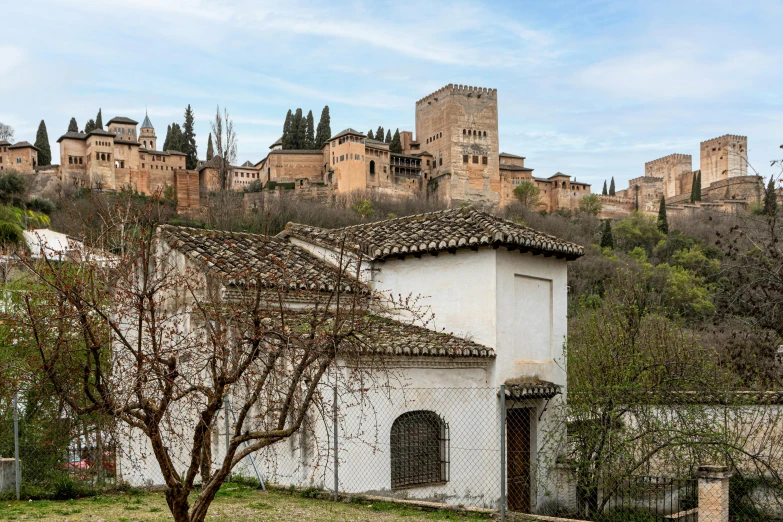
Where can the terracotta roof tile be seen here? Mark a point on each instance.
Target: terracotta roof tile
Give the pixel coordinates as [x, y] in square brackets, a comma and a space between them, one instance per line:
[395, 338]
[445, 230]
[241, 257]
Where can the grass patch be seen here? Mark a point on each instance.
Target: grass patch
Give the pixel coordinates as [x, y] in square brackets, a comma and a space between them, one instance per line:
[236, 502]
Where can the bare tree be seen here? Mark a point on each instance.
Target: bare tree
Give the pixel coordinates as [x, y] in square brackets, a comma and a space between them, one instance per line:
[225, 140]
[6, 132]
[158, 343]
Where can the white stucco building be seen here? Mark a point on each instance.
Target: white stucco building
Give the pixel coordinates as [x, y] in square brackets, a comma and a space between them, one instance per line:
[496, 292]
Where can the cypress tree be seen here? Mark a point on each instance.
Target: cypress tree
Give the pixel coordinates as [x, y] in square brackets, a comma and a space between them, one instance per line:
[604, 192]
[770, 199]
[167, 141]
[89, 126]
[324, 131]
[611, 187]
[310, 131]
[379, 134]
[99, 120]
[607, 240]
[177, 140]
[370, 135]
[663, 222]
[210, 149]
[73, 126]
[388, 137]
[395, 145]
[693, 187]
[189, 140]
[287, 130]
[298, 130]
[42, 142]
[698, 186]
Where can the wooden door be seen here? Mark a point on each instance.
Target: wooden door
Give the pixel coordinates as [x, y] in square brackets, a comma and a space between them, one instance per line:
[518, 425]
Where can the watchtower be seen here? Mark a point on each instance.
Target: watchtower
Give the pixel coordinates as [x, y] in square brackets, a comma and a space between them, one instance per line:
[723, 157]
[458, 125]
[147, 136]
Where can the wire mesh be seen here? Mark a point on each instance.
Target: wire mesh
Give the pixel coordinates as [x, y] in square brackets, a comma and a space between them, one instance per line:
[438, 445]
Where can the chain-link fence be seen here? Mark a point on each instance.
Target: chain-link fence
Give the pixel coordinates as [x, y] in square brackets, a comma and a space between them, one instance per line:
[449, 445]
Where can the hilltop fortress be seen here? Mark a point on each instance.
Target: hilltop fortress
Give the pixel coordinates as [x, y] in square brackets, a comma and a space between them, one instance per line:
[454, 156]
[725, 183]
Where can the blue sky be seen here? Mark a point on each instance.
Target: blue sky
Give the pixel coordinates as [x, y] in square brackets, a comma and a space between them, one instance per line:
[590, 88]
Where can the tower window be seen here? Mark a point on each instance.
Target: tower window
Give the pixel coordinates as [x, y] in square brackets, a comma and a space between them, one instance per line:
[464, 132]
[475, 159]
[485, 134]
[464, 158]
[483, 160]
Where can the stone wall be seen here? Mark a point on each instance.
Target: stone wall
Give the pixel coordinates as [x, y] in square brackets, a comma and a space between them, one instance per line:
[458, 125]
[616, 206]
[284, 166]
[676, 171]
[723, 157]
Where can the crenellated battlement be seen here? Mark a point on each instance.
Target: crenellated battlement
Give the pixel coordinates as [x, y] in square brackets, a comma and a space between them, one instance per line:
[676, 156]
[725, 137]
[456, 89]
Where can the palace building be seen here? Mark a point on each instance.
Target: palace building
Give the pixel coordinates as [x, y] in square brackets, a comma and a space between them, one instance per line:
[120, 157]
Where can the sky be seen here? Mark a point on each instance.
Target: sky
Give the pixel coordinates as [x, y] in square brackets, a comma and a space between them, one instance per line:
[589, 88]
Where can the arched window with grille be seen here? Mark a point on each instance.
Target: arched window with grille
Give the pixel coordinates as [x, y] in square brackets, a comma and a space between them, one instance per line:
[419, 444]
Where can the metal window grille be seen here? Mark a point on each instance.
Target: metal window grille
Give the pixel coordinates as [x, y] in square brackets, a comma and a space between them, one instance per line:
[419, 443]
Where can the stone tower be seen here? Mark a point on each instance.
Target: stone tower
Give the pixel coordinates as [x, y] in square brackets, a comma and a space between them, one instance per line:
[147, 136]
[458, 125]
[723, 157]
[676, 171]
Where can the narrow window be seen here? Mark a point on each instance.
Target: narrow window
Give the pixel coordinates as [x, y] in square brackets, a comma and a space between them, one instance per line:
[372, 167]
[464, 158]
[475, 159]
[483, 160]
[464, 132]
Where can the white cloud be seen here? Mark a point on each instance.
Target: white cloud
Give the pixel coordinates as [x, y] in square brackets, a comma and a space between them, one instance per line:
[675, 73]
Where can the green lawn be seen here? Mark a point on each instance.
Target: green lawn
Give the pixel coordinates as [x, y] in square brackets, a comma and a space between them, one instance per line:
[234, 503]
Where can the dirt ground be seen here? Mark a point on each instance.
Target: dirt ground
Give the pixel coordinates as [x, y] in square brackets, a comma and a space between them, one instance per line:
[234, 503]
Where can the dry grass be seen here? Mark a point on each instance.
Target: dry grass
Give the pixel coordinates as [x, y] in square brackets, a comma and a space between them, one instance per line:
[234, 503]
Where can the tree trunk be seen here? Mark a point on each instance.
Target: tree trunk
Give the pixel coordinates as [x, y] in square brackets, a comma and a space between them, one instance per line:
[206, 458]
[177, 499]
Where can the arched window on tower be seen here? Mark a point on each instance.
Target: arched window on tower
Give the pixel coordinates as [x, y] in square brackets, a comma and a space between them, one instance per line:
[419, 450]
[372, 167]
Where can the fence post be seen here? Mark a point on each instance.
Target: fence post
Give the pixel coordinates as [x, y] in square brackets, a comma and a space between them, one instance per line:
[17, 463]
[227, 426]
[714, 493]
[334, 429]
[502, 452]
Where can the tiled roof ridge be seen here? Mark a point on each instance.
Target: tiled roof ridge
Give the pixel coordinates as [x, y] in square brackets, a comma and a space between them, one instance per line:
[489, 225]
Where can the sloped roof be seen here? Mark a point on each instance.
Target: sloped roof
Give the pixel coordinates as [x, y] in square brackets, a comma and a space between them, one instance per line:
[278, 142]
[147, 124]
[247, 164]
[100, 132]
[23, 145]
[275, 262]
[71, 135]
[530, 388]
[507, 155]
[517, 168]
[122, 119]
[239, 257]
[297, 151]
[346, 132]
[444, 230]
[213, 163]
[4, 142]
[396, 338]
